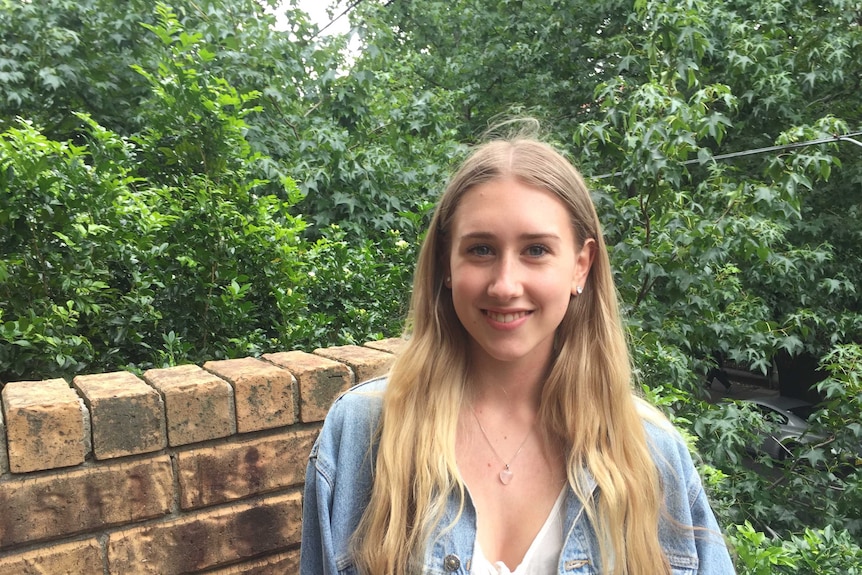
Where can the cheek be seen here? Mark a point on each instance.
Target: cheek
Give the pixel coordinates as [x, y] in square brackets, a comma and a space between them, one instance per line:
[463, 308]
[468, 289]
[465, 280]
[463, 292]
[558, 294]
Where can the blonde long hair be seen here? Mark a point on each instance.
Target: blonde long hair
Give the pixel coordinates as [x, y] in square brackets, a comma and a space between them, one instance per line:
[586, 403]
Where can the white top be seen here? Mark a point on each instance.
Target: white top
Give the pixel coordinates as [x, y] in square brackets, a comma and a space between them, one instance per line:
[542, 556]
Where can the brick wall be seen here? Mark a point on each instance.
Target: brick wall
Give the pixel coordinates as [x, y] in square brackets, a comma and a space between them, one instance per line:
[188, 469]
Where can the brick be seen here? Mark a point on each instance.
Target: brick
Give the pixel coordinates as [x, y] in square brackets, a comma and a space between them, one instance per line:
[364, 362]
[128, 416]
[208, 539]
[390, 345]
[219, 474]
[64, 503]
[274, 565]
[44, 425]
[320, 381]
[63, 559]
[198, 405]
[264, 393]
[4, 460]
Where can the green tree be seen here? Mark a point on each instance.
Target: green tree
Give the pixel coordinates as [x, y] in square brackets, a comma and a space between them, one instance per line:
[159, 247]
[219, 112]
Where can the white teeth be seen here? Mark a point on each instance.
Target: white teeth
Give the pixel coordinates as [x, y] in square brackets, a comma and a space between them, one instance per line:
[506, 317]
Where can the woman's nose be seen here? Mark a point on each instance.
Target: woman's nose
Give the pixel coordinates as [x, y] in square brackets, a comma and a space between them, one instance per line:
[505, 282]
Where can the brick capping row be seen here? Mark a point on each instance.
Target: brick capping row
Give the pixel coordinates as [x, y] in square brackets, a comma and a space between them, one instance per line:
[187, 469]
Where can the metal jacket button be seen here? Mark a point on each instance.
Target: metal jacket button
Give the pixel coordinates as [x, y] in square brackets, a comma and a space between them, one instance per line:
[451, 563]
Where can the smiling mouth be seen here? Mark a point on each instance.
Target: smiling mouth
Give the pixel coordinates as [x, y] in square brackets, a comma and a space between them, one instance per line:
[506, 317]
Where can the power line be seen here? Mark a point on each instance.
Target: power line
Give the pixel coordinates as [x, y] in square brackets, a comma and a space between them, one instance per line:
[331, 22]
[832, 139]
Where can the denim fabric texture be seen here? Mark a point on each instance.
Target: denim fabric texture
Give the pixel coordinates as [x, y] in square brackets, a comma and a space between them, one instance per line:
[339, 479]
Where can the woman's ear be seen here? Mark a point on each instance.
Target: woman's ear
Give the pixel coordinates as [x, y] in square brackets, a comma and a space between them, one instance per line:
[583, 262]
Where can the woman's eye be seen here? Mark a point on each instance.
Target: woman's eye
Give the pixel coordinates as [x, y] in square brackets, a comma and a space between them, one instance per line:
[536, 251]
[479, 250]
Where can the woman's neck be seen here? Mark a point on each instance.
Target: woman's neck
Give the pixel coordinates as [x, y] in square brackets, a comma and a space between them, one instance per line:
[506, 386]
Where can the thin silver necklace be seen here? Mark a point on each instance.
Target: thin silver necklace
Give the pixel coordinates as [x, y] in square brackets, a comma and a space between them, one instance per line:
[506, 473]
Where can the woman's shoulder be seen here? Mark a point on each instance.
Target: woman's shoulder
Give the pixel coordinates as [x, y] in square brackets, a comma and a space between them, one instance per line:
[357, 410]
[350, 428]
[686, 503]
[362, 396]
[665, 441]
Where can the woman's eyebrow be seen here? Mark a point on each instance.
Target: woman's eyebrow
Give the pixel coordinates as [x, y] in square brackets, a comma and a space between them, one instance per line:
[541, 236]
[547, 236]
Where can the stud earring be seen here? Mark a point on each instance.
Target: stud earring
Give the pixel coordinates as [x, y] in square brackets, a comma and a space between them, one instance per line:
[579, 289]
[448, 281]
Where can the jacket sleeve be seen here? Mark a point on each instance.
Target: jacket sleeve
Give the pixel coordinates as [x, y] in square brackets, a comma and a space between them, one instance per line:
[712, 552]
[709, 541]
[691, 536]
[338, 481]
[317, 554]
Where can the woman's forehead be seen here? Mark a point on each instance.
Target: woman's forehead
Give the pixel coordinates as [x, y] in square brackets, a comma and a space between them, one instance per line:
[508, 206]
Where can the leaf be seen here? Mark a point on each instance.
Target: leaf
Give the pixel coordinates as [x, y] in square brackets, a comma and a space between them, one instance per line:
[50, 79]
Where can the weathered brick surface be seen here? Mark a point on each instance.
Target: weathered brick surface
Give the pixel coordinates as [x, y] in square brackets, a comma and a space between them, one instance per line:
[364, 362]
[280, 564]
[208, 539]
[64, 503]
[211, 475]
[4, 461]
[44, 425]
[264, 393]
[198, 405]
[210, 501]
[390, 345]
[77, 558]
[127, 415]
[320, 381]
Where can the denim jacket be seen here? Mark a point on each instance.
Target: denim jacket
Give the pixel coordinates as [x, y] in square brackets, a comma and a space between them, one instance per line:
[338, 486]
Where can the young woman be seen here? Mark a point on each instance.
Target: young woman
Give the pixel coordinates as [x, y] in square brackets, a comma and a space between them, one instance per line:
[506, 437]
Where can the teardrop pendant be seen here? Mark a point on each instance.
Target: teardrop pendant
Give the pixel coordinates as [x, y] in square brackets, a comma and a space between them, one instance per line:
[506, 476]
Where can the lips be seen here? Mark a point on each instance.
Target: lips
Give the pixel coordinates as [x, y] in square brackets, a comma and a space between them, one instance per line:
[506, 317]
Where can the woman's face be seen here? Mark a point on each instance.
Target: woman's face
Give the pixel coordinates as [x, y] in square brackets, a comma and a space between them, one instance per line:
[513, 266]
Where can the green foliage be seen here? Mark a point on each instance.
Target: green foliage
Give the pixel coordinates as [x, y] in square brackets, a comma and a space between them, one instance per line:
[60, 56]
[230, 282]
[817, 551]
[357, 291]
[59, 262]
[177, 243]
[756, 555]
[152, 250]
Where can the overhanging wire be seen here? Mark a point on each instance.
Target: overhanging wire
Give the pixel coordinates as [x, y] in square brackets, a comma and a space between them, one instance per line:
[754, 151]
[331, 22]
